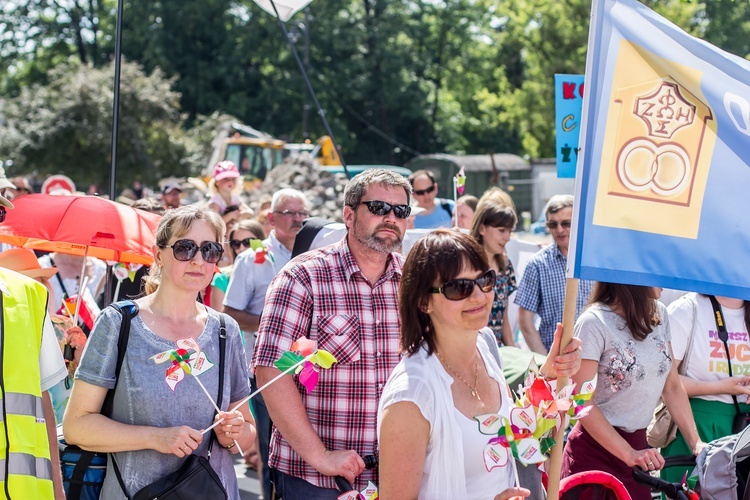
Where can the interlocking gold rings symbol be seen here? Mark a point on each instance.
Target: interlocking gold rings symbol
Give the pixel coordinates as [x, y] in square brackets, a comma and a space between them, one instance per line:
[663, 169]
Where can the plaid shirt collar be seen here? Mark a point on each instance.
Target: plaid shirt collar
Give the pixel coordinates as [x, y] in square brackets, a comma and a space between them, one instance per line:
[351, 267]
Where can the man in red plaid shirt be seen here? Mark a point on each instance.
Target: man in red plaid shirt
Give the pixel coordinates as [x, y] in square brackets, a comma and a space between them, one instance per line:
[345, 297]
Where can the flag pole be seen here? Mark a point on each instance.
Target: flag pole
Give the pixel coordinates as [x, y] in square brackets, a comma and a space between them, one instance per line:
[310, 89]
[569, 317]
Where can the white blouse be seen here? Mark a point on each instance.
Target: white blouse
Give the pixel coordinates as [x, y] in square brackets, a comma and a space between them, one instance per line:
[449, 471]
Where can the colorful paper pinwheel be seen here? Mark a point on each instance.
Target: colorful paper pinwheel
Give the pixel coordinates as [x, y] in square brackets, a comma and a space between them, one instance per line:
[186, 359]
[513, 436]
[460, 181]
[262, 253]
[369, 493]
[304, 349]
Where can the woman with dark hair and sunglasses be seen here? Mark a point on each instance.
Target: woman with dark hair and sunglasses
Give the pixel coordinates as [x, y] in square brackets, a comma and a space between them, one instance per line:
[494, 220]
[240, 237]
[155, 426]
[626, 345]
[430, 445]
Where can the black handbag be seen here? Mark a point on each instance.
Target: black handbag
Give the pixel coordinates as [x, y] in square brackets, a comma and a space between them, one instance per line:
[741, 420]
[195, 479]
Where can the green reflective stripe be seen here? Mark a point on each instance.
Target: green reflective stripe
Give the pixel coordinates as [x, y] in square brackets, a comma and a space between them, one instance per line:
[21, 464]
[23, 404]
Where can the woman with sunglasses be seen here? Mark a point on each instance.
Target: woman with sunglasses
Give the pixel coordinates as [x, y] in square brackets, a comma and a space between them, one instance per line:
[239, 241]
[627, 346]
[430, 445]
[154, 427]
[493, 222]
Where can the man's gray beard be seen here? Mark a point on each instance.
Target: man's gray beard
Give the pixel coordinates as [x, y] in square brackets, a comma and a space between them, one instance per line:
[377, 244]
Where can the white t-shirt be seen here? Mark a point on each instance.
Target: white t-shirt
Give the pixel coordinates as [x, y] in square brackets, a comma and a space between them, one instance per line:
[708, 359]
[51, 363]
[98, 271]
[454, 467]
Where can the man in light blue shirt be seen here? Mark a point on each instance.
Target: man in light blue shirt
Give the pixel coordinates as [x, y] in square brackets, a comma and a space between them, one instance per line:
[246, 292]
[542, 287]
[438, 212]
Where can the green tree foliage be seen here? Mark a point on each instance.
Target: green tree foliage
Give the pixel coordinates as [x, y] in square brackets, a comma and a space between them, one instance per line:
[65, 127]
[394, 77]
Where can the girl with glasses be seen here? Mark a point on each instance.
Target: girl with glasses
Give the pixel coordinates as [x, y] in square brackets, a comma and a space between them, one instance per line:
[494, 221]
[239, 241]
[430, 444]
[155, 426]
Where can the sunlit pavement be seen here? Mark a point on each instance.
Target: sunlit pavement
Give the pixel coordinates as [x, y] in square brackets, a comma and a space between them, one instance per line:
[247, 479]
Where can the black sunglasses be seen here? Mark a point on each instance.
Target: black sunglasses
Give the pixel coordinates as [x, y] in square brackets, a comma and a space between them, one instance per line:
[186, 250]
[236, 244]
[553, 224]
[3, 211]
[462, 288]
[421, 192]
[383, 208]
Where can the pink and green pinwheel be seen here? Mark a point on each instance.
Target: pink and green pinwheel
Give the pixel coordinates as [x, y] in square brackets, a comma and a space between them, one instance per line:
[460, 181]
[304, 349]
[186, 359]
[513, 436]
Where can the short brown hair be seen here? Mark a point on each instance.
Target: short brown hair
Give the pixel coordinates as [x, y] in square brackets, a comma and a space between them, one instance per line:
[493, 213]
[437, 257]
[637, 305]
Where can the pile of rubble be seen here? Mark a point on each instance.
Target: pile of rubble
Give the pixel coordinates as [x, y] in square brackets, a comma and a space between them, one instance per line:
[324, 190]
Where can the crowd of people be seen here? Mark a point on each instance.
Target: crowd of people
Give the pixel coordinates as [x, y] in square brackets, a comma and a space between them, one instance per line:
[416, 335]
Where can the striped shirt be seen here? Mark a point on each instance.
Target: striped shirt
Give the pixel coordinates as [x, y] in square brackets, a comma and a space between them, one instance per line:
[323, 295]
[542, 290]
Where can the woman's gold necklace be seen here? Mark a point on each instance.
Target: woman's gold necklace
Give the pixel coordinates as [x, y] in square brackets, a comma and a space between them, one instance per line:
[476, 376]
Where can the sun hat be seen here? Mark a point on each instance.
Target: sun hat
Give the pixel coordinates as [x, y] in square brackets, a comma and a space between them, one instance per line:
[23, 261]
[168, 188]
[225, 170]
[4, 181]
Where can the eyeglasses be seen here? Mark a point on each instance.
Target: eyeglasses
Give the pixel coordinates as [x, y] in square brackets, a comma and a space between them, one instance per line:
[553, 224]
[422, 192]
[293, 213]
[3, 211]
[186, 250]
[382, 208]
[236, 244]
[462, 288]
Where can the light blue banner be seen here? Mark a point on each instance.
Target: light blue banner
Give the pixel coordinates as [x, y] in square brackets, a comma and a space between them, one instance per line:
[568, 104]
[663, 188]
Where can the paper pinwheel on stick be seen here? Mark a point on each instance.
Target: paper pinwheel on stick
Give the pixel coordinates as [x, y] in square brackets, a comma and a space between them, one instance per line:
[460, 181]
[186, 359]
[304, 360]
[305, 350]
[513, 436]
[121, 271]
[262, 253]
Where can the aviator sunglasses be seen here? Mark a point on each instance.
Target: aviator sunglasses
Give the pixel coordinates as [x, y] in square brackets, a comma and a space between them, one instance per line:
[462, 288]
[383, 208]
[186, 250]
[553, 224]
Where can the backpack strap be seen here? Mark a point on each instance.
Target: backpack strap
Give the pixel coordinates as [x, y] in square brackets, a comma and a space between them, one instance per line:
[128, 309]
[446, 206]
[222, 350]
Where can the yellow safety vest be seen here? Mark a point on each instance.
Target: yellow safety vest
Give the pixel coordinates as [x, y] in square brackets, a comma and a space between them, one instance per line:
[25, 467]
